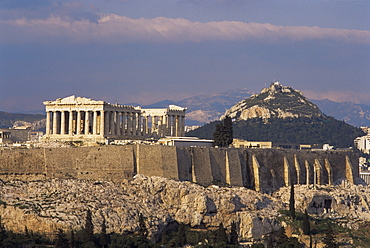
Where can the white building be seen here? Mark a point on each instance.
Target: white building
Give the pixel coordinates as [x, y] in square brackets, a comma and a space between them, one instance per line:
[363, 143]
[185, 141]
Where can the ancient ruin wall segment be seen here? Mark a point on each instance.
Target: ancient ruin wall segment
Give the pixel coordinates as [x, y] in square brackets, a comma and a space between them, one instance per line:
[261, 169]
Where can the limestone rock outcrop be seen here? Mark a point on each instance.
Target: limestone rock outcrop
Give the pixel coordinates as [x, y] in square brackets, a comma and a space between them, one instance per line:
[276, 101]
[45, 206]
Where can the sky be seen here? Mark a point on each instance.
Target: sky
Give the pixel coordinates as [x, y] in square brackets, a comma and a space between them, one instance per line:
[144, 51]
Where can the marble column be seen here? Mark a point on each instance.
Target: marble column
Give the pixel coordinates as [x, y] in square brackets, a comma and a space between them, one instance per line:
[164, 124]
[124, 116]
[170, 125]
[102, 123]
[55, 124]
[125, 123]
[106, 121]
[145, 125]
[134, 124]
[160, 126]
[62, 122]
[138, 130]
[118, 123]
[155, 124]
[47, 122]
[129, 124]
[78, 128]
[150, 125]
[87, 122]
[112, 126]
[177, 125]
[95, 122]
[70, 125]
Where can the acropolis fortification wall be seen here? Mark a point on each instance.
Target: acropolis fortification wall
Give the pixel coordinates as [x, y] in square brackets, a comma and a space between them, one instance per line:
[261, 169]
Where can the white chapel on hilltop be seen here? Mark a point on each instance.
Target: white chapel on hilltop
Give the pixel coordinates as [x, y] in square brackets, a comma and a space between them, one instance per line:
[82, 119]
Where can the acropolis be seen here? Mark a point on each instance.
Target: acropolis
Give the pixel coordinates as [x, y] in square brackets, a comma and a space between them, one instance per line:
[82, 119]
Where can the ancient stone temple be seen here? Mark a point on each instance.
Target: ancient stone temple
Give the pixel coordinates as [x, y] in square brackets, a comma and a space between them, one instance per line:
[83, 119]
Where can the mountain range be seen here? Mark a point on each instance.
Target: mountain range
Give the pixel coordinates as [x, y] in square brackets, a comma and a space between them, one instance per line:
[203, 109]
[210, 107]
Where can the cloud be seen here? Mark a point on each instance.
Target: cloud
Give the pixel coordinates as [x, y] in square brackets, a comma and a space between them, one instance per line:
[111, 28]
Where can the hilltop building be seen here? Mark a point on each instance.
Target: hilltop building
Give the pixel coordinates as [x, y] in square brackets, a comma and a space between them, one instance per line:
[365, 129]
[82, 119]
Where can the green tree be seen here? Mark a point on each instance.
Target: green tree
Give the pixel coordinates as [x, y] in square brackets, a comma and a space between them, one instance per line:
[258, 245]
[221, 236]
[223, 134]
[181, 235]
[306, 224]
[72, 240]
[292, 202]
[228, 124]
[89, 228]
[104, 237]
[143, 231]
[3, 235]
[61, 240]
[233, 234]
[329, 238]
[218, 139]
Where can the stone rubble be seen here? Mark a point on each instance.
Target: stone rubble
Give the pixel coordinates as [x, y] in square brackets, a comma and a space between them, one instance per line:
[45, 206]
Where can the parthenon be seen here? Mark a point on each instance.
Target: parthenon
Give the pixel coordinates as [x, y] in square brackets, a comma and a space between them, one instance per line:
[82, 119]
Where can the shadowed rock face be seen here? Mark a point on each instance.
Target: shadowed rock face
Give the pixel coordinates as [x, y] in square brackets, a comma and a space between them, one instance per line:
[276, 101]
[45, 206]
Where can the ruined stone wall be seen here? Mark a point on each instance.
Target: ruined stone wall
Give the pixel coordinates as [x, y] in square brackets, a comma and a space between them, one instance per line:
[22, 164]
[282, 167]
[260, 169]
[157, 161]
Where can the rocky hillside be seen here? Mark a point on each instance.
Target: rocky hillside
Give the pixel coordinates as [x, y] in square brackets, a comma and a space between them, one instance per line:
[45, 206]
[283, 115]
[277, 101]
[207, 108]
[8, 120]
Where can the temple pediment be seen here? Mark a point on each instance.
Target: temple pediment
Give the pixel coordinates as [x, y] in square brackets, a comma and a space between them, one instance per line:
[73, 100]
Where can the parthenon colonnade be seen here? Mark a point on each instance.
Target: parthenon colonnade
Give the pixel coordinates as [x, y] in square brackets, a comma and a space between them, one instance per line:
[164, 122]
[78, 118]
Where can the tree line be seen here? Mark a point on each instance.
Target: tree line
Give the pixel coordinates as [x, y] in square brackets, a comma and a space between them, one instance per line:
[301, 130]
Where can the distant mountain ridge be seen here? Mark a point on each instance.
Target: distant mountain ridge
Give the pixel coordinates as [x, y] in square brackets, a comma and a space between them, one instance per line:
[354, 114]
[206, 108]
[210, 107]
[7, 120]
